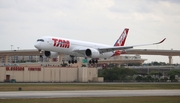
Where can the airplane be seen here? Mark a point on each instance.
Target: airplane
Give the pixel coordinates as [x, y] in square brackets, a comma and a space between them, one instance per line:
[53, 46]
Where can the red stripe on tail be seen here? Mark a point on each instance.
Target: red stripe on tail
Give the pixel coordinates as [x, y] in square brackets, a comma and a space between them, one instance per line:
[121, 40]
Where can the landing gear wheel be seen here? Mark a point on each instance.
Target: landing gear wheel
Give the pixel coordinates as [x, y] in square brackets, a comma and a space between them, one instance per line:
[93, 61]
[75, 61]
[69, 62]
[96, 61]
[72, 60]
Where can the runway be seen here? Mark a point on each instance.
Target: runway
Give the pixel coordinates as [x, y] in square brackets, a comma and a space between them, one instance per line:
[88, 93]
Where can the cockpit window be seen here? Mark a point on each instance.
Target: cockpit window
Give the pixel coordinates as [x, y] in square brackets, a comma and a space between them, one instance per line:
[40, 40]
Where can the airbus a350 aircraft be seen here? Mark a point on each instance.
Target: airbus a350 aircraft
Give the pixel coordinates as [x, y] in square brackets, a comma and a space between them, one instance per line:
[53, 46]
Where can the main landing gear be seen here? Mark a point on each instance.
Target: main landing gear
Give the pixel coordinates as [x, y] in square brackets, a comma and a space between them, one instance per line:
[72, 60]
[93, 61]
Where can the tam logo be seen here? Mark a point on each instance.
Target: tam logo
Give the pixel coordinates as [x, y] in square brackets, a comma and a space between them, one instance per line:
[61, 43]
[121, 39]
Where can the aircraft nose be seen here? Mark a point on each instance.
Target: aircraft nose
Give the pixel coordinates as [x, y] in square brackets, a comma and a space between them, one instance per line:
[37, 45]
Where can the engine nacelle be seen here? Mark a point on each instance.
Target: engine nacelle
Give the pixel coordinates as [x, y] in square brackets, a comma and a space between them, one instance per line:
[92, 53]
[51, 54]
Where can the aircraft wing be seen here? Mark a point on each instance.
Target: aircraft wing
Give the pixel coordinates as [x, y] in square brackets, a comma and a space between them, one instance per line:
[109, 49]
[81, 50]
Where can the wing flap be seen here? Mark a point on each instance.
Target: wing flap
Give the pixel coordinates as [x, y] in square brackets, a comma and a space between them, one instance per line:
[111, 49]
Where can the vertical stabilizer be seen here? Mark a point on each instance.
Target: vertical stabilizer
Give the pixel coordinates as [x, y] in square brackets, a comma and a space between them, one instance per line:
[122, 39]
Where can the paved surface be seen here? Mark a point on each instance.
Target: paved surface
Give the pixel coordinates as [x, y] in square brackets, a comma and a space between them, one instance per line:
[88, 93]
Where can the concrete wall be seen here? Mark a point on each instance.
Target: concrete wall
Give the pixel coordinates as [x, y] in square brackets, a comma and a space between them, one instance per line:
[2, 74]
[98, 79]
[82, 74]
[48, 74]
[92, 72]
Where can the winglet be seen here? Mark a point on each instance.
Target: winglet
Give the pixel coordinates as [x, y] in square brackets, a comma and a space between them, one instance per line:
[160, 41]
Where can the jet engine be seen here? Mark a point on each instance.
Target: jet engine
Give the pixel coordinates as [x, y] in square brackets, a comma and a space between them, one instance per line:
[51, 54]
[92, 53]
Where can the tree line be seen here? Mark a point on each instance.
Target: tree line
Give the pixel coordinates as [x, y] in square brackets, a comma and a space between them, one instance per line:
[126, 75]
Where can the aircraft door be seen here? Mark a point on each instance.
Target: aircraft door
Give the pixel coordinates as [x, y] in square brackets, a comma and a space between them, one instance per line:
[49, 41]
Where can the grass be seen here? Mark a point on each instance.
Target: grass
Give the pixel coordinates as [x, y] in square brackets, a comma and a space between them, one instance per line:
[169, 99]
[79, 86]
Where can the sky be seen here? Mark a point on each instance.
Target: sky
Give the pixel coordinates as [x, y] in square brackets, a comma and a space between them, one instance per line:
[100, 21]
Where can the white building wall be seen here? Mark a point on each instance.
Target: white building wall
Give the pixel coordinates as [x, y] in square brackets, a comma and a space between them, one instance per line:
[83, 74]
[91, 72]
[56, 75]
[49, 74]
[41, 75]
[26, 75]
[72, 74]
[2, 74]
[18, 75]
[33, 76]
[63, 75]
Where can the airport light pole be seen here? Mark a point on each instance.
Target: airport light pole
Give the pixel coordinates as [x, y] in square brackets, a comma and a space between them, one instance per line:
[11, 47]
[11, 56]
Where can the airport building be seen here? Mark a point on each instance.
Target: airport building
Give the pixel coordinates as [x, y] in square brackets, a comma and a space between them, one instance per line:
[48, 74]
[29, 69]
